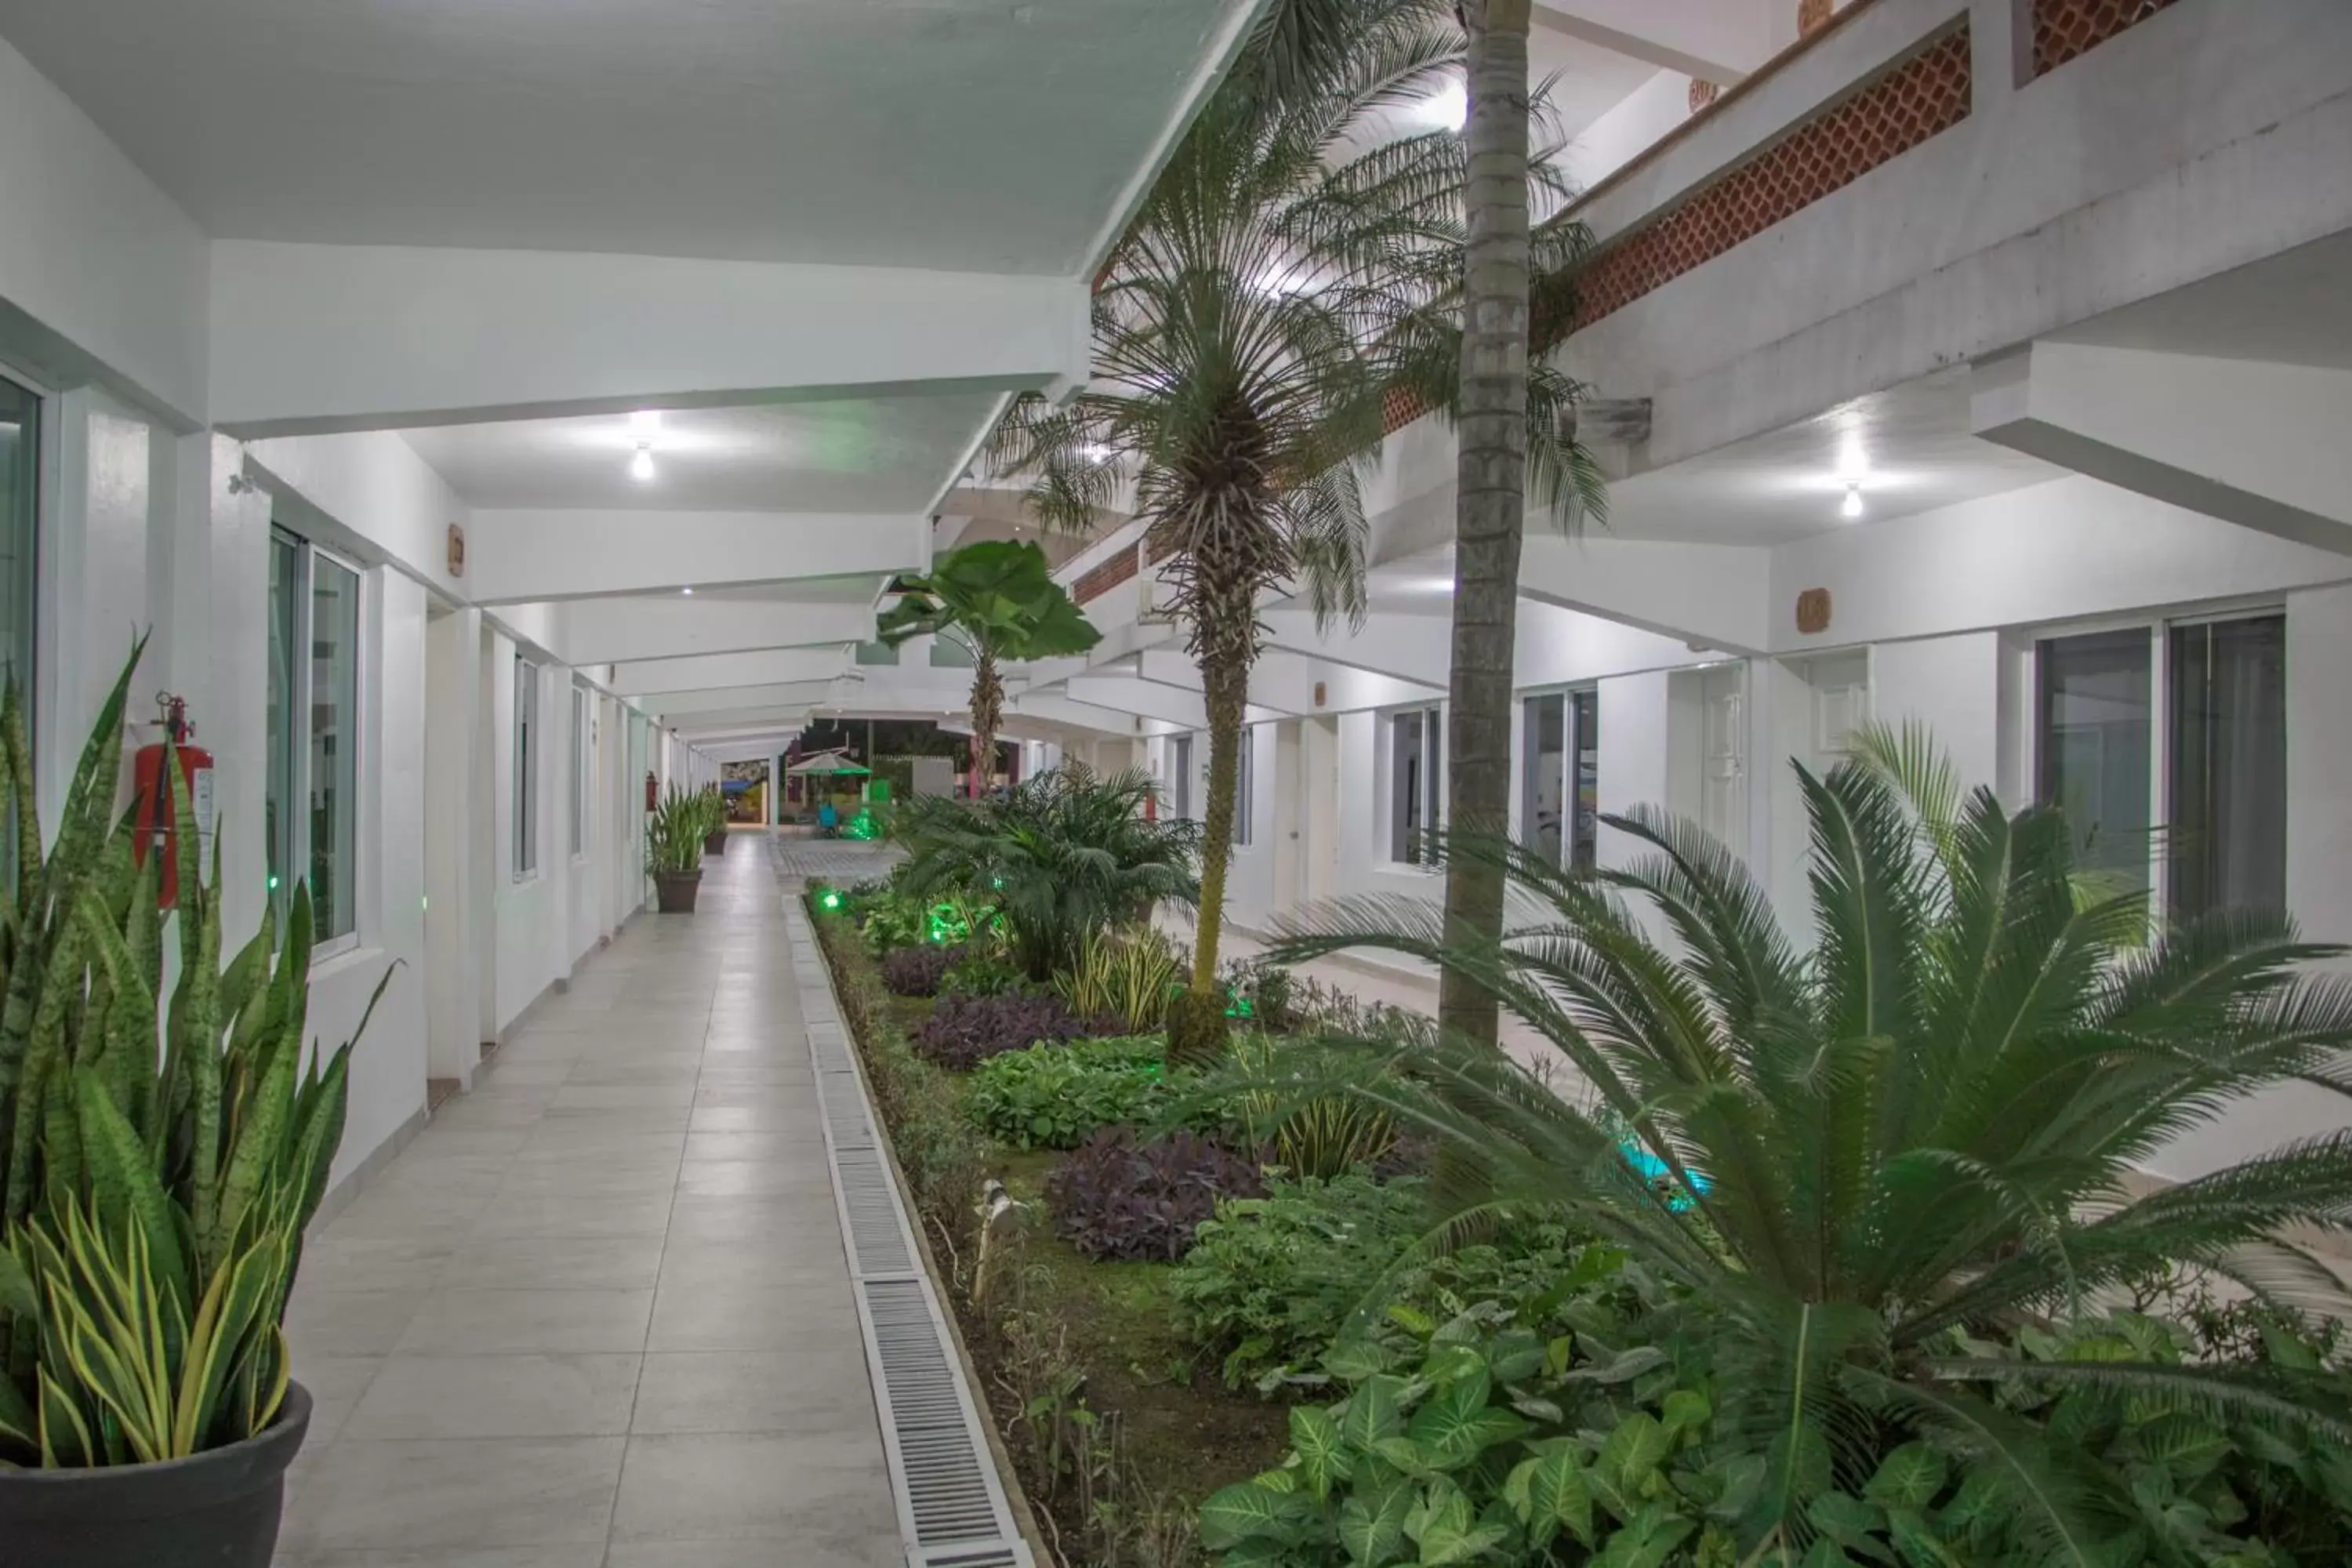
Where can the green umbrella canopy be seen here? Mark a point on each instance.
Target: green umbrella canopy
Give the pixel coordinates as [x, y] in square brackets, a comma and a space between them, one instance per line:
[827, 764]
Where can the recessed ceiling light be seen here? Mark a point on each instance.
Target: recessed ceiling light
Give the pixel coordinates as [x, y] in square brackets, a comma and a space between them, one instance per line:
[641, 466]
[1853, 507]
[645, 422]
[687, 591]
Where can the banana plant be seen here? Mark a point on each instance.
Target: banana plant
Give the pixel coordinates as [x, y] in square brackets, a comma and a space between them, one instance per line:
[157, 1164]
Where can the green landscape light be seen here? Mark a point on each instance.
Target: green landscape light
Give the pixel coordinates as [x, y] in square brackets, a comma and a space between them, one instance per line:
[830, 899]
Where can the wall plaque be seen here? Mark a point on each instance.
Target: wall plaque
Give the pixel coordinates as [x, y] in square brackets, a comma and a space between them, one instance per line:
[1813, 611]
[457, 550]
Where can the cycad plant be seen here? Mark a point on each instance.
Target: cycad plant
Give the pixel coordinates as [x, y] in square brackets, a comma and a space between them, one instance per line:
[999, 602]
[1867, 1161]
[1295, 265]
[159, 1168]
[1063, 856]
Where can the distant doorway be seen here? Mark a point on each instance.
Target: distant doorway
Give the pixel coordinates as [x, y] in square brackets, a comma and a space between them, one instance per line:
[745, 787]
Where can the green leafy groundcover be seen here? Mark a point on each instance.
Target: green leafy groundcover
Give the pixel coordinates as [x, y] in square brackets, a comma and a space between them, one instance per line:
[1051, 1096]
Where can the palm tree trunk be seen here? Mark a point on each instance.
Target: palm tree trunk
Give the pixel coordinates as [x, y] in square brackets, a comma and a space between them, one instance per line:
[1197, 1023]
[987, 713]
[1491, 481]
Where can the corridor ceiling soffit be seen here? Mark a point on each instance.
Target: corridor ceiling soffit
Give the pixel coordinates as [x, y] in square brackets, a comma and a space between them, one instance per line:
[753, 701]
[2289, 308]
[845, 454]
[823, 131]
[721, 671]
[631, 628]
[1720, 41]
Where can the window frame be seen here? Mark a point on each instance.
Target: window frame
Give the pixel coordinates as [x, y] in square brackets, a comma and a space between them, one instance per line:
[582, 718]
[1245, 784]
[1431, 718]
[2158, 629]
[302, 705]
[1179, 777]
[523, 738]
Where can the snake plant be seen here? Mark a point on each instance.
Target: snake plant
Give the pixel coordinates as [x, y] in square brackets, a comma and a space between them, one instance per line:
[157, 1164]
[675, 832]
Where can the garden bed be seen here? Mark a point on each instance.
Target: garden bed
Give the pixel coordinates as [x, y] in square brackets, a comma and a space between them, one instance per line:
[1119, 1426]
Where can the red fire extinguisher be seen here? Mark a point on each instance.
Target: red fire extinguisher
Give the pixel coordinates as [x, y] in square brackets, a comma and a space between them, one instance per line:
[653, 791]
[158, 815]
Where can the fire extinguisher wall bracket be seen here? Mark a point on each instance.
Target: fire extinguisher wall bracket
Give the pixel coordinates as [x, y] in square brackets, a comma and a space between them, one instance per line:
[653, 791]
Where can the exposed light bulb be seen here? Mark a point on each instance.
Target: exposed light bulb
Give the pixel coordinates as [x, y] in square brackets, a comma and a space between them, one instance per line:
[687, 591]
[1853, 507]
[1446, 109]
[1094, 452]
[641, 466]
[645, 422]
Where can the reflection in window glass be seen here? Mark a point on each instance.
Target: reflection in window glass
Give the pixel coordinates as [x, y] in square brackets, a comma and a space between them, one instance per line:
[335, 747]
[20, 453]
[278, 800]
[20, 457]
[526, 767]
[2226, 838]
[1417, 743]
[2095, 732]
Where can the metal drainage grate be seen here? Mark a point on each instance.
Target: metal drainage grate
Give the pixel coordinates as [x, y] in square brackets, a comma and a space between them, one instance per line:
[953, 1511]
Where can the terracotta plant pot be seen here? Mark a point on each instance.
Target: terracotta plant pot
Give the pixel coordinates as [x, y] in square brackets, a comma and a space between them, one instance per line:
[715, 843]
[217, 1510]
[673, 891]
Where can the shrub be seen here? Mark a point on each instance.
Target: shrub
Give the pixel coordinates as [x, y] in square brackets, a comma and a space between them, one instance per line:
[917, 971]
[1052, 1096]
[1124, 975]
[965, 1031]
[1062, 856]
[979, 971]
[1307, 1135]
[1115, 1196]
[1275, 1282]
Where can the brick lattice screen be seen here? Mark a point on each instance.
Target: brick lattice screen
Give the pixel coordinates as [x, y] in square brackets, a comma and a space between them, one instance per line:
[1120, 568]
[1911, 103]
[2065, 29]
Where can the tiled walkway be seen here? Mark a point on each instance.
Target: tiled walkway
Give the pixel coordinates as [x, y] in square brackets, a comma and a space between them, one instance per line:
[597, 1314]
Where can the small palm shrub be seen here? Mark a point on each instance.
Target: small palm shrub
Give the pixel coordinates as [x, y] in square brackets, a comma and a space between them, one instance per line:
[1887, 1153]
[1053, 1096]
[1062, 856]
[1117, 1195]
[1124, 974]
[155, 1201]
[965, 1031]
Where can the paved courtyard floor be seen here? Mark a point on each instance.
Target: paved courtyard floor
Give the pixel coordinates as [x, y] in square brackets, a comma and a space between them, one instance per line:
[597, 1313]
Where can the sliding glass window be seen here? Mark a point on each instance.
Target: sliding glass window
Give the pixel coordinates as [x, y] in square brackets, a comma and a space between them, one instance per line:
[310, 804]
[2095, 722]
[1416, 771]
[2226, 839]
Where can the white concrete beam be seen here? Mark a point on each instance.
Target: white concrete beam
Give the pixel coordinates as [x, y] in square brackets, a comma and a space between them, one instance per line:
[1720, 41]
[2261, 444]
[721, 671]
[774, 698]
[626, 630]
[1410, 648]
[1718, 595]
[1058, 708]
[322, 337]
[1146, 698]
[1168, 666]
[521, 556]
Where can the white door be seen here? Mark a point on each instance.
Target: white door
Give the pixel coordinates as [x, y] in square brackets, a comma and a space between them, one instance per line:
[1722, 782]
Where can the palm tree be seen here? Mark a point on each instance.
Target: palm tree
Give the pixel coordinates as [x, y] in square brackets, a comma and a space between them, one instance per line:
[1918, 1134]
[1279, 282]
[999, 601]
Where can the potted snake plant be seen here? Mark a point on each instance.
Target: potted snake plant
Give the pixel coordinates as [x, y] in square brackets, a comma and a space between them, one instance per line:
[676, 836]
[714, 838]
[157, 1168]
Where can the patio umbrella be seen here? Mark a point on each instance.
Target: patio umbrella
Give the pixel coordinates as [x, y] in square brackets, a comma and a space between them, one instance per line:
[828, 764]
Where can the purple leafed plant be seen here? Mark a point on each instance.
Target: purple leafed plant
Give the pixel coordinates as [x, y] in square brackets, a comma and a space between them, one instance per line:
[965, 1031]
[917, 971]
[1115, 1197]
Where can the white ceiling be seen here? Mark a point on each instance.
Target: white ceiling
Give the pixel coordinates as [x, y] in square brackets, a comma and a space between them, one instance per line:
[1586, 80]
[855, 589]
[884, 454]
[989, 135]
[1917, 450]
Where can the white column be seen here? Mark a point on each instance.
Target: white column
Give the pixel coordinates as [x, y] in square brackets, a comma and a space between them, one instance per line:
[453, 943]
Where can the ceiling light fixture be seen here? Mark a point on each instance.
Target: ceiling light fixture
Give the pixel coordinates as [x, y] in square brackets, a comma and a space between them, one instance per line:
[1853, 507]
[645, 422]
[1094, 452]
[1446, 109]
[687, 591]
[641, 466]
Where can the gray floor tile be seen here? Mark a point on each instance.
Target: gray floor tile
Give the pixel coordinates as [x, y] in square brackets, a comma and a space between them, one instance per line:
[587, 1555]
[321, 1322]
[498, 1396]
[702, 1314]
[757, 1391]
[444, 1493]
[557, 1263]
[737, 1486]
[572, 1214]
[336, 1383]
[805, 1550]
[495, 1323]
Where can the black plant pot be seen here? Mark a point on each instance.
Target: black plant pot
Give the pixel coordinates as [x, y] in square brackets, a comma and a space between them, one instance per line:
[715, 843]
[219, 1509]
[673, 891]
